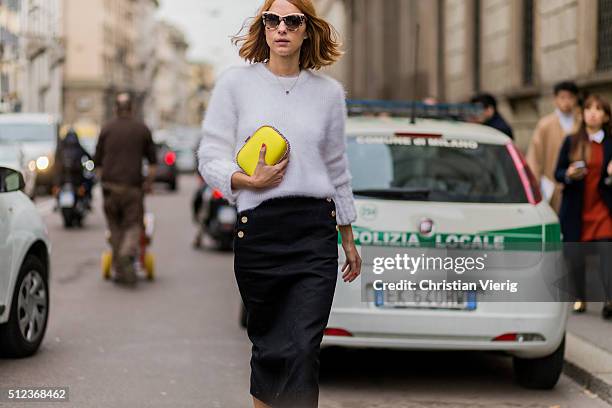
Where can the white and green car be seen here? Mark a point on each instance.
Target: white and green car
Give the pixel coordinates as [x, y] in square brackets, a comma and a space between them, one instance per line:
[447, 184]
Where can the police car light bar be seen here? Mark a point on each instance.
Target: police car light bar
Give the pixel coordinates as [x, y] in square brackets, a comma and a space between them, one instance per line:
[452, 111]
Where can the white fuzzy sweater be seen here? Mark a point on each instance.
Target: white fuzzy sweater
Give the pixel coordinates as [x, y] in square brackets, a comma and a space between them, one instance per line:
[312, 117]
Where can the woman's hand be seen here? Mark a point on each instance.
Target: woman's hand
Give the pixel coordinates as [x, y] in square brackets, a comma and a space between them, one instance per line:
[575, 172]
[266, 176]
[352, 265]
[610, 168]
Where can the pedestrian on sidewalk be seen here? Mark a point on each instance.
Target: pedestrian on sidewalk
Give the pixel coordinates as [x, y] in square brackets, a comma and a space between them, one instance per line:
[286, 242]
[123, 144]
[490, 115]
[551, 130]
[585, 168]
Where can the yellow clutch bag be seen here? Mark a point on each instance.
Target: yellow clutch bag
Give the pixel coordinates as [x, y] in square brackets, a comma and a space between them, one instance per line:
[277, 148]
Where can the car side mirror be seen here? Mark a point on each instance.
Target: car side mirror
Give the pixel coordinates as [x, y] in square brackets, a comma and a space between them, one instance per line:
[11, 180]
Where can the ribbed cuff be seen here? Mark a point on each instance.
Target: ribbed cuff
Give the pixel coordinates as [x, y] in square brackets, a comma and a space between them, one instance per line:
[230, 194]
[345, 205]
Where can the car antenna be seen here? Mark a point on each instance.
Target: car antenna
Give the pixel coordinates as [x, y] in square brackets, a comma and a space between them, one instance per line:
[415, 79]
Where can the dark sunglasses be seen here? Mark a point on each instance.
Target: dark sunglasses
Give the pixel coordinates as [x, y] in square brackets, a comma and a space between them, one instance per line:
[292, 21]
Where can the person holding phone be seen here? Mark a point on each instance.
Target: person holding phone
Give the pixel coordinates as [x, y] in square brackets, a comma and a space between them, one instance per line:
[285, 241]
[584, 165]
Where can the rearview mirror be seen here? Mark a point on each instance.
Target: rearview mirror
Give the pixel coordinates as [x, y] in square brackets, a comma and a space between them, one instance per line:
[11, 180]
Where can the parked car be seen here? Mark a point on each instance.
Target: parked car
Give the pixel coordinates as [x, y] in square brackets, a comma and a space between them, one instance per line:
[184, 141]
[37, 133]
[167, 171]
[185, 158]
[12, 156]
[24, 269]
[444, 182]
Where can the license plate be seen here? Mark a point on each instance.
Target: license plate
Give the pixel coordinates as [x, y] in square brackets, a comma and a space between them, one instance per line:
[425, 299]
[66, 199]
[227, 215]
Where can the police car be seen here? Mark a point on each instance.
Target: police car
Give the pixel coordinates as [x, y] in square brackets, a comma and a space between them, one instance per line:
[447, 184]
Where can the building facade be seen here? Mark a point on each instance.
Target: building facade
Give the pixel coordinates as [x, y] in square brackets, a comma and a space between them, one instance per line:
[100, 57]
[145, 51]
[202, 76]
[171, 82]
[42, 56]
[515, 49]
[10, 52]
[380, 45]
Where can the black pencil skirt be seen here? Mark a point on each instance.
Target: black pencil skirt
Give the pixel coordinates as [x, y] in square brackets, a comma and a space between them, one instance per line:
[286, 266]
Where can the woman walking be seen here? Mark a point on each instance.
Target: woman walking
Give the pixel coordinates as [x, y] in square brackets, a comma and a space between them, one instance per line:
[285, 243]
[584, 168]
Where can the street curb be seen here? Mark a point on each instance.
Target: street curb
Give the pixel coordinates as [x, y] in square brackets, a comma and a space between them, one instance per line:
[589, 366]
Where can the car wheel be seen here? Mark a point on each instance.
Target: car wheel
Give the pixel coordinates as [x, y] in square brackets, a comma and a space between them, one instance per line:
[540, 373]
[22, 334]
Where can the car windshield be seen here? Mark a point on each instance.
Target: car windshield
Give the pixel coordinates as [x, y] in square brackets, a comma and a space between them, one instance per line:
[17, 132]
[433, 169]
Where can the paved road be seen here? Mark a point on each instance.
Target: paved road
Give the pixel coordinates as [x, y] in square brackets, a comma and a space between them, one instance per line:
[176, 342]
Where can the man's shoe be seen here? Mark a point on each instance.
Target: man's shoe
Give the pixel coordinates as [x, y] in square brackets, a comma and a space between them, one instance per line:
[606, 312]
[580, 306]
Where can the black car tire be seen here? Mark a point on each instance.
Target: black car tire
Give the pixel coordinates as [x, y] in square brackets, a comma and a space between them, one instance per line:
[540, 373]
[12, 342]
[173, 185]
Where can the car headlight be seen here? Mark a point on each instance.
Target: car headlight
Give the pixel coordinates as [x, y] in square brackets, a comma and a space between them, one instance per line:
[89, 165]
[32, 165]
[42, 163]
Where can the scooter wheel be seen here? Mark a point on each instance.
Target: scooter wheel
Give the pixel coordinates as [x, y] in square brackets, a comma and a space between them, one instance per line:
[107, 262]
[149, 266]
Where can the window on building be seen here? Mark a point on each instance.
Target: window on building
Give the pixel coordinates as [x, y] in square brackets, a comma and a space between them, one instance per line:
[476, 42]
[4, 84]
[604, 35]
[14, 5]
[528, 42]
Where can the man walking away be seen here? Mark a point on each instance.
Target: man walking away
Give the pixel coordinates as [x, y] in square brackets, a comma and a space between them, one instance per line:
[123, 144]
[490, 116]
[551, 130]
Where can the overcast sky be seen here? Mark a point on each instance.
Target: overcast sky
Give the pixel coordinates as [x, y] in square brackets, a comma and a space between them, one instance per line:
[208, 25]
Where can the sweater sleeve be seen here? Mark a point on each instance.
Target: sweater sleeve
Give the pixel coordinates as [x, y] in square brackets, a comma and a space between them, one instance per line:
[216, 153]
[336, 160]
